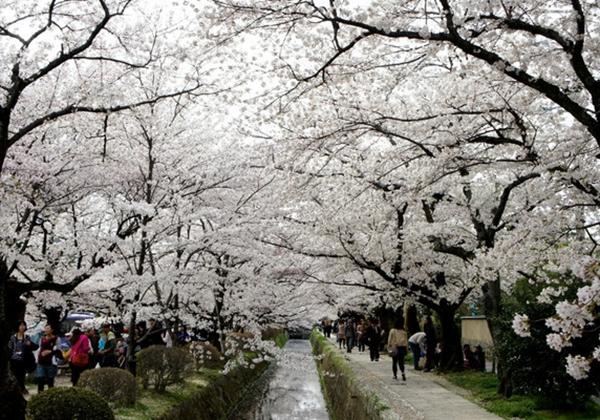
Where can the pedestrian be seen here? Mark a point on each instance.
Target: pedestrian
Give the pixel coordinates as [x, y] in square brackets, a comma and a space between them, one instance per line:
[341, 334]
[94, 339]
[153, 336]
[107, 347]
[121, 352]
[430, 335]
[469, 361]
[397, 344]
[373, 337]
[79, 355]
[350, 333]
[167, 338]
[360, 336]
[141, 338]
[418, 347]
[327, 327]
[439, 350]
[20, 353]
[47, 362]
[479, 357]
[182, 336]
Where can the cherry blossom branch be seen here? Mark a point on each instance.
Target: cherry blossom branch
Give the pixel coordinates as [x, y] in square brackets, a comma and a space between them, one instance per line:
[72, 109]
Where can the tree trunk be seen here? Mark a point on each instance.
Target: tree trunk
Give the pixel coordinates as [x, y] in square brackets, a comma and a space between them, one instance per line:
[221, 331]
[54, 318]
[412, 320]
[4, 121]
[12, 403]
[451, 357]
[492, 300]
[131, 363]
[15, 307]
[219, 322]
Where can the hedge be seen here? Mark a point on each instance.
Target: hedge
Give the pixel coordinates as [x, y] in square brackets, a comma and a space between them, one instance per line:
[162, 366]
[115, 385]
[68, 404]
[218, 399]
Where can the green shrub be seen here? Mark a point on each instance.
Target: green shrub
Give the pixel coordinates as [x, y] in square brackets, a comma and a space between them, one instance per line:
[528, 364]
[270, 333]
[115, 385]
[68, 404]
[220, 398]
[206, 356]
[162, 366]
[277, 335]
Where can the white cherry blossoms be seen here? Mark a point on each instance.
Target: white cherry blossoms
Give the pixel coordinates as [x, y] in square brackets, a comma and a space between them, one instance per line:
[520, 325]
[570, 320]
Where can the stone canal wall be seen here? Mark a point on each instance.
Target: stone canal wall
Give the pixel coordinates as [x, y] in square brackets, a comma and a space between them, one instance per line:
[346, 398]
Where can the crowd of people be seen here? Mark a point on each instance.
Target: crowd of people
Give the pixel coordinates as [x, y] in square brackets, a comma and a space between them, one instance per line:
[360, 334]
[424, 346]
[88, 348]
[82, 349]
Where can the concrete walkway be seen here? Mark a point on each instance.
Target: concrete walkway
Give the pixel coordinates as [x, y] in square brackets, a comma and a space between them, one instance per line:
[422, 396]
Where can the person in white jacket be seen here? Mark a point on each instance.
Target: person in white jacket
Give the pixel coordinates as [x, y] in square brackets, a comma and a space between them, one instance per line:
[418, 346]
[167, 338]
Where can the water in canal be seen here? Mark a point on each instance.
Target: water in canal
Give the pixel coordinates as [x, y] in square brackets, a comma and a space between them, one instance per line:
[293, 392]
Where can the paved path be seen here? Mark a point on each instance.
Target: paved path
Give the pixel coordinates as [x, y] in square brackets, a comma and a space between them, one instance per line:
[422, 396]
[61, 380]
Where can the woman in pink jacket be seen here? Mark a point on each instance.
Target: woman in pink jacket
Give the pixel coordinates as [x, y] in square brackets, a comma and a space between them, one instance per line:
[79, 356]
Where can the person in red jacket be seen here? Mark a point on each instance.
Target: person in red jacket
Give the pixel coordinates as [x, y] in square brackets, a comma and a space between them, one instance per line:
[79, 356]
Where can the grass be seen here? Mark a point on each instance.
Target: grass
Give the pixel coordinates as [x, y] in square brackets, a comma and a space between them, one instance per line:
[280, 339]
[151, 404]
[483, 387]
[379, 404]
[329, 350]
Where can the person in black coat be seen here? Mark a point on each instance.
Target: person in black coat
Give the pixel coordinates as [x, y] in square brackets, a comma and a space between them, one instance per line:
[94, 338]
[20, 353]
[373, 339]
[479, 358]
[153, 336]
[350, 333]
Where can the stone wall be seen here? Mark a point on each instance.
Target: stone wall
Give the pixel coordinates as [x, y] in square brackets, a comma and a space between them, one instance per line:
[346, 399]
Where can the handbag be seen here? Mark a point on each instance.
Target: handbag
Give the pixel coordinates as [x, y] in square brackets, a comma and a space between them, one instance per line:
[80, 359]
[393, 351]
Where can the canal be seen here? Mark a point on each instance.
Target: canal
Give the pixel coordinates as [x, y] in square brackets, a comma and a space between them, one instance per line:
[292, 390]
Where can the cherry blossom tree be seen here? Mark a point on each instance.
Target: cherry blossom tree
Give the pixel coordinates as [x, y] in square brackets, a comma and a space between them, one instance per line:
[553, 128]
[60, 61]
